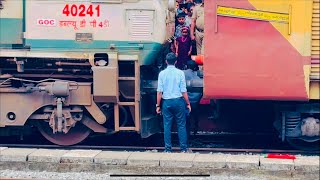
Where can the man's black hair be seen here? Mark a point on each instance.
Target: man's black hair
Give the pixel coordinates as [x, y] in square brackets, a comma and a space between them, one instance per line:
[171, 58]
[185, 5]
[192, 65]
[189, 5]
[181, 15]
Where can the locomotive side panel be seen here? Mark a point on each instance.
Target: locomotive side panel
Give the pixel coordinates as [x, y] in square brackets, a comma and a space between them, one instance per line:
[99, 25]
[11, 22]
[76, 42]
[257, 50]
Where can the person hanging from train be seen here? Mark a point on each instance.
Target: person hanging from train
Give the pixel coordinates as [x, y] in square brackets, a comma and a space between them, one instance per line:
[181, 23]
[197, 26]
[172, 92]
[183, 48]
[194, 97]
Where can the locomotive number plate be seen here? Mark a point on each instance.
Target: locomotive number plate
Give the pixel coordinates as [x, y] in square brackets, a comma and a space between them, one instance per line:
[84, 37]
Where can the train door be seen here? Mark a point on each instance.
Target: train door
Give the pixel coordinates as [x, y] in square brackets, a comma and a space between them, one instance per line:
[11, 22]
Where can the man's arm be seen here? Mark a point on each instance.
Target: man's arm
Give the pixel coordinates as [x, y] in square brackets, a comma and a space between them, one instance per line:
[159, 93]
[186, 98]
[159, 97]
[183, 88]
[193, 23]
[176, 44]
[192, 27]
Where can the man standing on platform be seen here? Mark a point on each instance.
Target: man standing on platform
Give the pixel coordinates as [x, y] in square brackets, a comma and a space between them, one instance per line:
[172, 89]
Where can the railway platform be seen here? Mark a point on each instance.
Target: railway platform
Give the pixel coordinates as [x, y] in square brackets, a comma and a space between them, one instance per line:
[156, 163]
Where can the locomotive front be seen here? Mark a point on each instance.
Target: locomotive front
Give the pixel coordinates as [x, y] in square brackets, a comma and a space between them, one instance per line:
[72, 67]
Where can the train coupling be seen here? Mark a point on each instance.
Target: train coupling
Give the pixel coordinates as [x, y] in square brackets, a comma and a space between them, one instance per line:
[56, 88]
[61, 90]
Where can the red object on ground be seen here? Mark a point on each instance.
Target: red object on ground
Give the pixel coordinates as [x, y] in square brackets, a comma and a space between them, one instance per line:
[281, 156]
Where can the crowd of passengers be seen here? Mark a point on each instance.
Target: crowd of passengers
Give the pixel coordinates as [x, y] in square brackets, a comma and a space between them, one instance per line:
[173, 100]
[188, 36]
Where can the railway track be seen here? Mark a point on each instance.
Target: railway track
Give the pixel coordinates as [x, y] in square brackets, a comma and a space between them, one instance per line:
[144, 148]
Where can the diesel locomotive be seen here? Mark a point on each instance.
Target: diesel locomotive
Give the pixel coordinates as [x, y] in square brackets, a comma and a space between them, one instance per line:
[74, 68]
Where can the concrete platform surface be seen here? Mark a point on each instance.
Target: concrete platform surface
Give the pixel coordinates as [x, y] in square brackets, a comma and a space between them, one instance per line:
[276, 164]
[112, 158]
[177, 159]
[216, 161]
[79, 156]
[242, 162]
[307, 163]
[2, 148]
[144, 159]
[15, 154]
[46, 155]
[98, 159]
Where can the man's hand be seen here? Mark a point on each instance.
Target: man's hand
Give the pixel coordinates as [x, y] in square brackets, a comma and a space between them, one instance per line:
[158, 110]
[192, 37]
[189, 107]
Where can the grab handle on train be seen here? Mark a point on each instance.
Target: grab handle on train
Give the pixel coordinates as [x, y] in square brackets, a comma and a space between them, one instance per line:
[139, 46]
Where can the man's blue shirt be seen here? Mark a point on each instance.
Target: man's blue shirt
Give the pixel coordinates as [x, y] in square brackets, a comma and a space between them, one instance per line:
[171, 82]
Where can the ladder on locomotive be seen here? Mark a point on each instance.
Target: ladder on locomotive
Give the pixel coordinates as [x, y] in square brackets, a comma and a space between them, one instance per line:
[135, 105]
[315, 48]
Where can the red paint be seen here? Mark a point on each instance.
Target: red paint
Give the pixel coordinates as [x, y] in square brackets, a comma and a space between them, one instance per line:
[281, 156]
[249, 59]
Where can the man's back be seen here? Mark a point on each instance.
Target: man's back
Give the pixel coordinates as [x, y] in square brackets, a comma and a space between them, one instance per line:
[171, 83]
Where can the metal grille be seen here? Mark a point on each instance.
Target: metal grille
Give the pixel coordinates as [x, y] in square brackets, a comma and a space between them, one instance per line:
[140, 24]
[315, 49]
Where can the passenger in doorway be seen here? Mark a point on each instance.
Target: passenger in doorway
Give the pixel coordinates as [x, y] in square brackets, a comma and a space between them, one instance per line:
[179, 7]
[194, 97]
[197, 27]
[189, 11]
[181, 24]
[173, 92]
[183, 46]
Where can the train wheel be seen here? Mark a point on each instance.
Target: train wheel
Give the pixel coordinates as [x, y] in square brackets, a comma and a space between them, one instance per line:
[76, 134]
[304, 145]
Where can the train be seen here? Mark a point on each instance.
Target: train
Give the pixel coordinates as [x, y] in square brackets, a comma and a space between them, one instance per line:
[76, 68]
